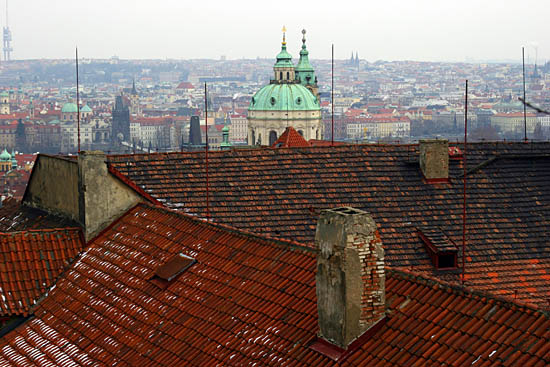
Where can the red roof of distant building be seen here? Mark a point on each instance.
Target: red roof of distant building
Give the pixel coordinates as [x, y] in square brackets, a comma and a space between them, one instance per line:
[185, 85]
[290, 138]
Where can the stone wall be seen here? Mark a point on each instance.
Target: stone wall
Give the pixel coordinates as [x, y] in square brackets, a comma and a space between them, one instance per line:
[53, 186]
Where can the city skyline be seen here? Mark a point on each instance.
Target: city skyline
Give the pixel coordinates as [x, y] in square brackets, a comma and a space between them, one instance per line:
[395, 30]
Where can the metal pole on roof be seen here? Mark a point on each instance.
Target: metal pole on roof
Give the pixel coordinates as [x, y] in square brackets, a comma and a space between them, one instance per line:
[332, 97]
[77, 102]
[524, 106]
[464, 183]
[206, 153]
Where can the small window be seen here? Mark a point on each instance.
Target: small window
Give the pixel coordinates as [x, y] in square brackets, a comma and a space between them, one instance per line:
[446, 261]
[299, 100]
[272, 100]
[287, 75]
[281, 75]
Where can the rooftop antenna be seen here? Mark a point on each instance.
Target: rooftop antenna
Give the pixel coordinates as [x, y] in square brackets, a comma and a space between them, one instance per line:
[77, 101]
[464, 184]
[524, 106]
[7, 38]
[206, 154]
[332, 97]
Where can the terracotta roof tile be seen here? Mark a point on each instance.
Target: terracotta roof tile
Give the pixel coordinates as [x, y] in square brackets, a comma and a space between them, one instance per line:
[15, 216]
[247, 300]
[30, 263]
[280, 192]
[290, 138]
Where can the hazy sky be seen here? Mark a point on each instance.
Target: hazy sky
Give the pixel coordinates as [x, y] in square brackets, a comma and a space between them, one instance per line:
[431, 30]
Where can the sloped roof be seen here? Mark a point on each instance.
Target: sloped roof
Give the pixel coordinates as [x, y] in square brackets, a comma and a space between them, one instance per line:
[14, 216]
[280, 192]
[248, 301]
[30, 263]
[290, 138]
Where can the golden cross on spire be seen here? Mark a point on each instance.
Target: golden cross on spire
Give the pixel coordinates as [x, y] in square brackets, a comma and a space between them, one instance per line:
[284, 36]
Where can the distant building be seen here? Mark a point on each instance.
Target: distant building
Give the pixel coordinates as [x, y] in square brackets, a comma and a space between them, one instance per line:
[289, 100]
[4, 103]
[121, 121]
[513, 122]
[380, 128]
[239, 129]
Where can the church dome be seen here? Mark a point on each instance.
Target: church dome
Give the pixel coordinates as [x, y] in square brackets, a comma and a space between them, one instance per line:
[284, 97]
[5, 156]
[69, 108]
[86, 108]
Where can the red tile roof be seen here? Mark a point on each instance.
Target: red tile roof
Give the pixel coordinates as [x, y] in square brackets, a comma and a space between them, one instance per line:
[14, 216]
[290, 138]
[30, 263]
[280, 192]
[249, 301]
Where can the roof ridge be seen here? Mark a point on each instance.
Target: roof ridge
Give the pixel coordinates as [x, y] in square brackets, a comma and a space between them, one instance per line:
[423, 278]
[41, 230]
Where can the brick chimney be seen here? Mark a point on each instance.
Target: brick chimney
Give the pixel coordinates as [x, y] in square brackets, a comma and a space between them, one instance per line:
[434, 159]
[350, 275]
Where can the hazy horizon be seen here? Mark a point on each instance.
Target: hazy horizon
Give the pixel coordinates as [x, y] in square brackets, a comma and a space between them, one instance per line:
[424, 30]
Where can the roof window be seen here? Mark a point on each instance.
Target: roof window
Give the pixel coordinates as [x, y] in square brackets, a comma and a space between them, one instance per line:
[442, 250]
[171, 269]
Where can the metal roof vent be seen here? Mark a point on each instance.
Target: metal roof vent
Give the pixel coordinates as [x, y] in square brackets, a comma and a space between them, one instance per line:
[171, 269]
[442, 250]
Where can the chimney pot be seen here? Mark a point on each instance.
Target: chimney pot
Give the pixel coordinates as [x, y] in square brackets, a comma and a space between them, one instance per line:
[350, 275]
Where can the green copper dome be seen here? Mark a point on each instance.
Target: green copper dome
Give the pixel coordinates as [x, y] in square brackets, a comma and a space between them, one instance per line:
[5, 156]
[69, 108]
[284, 97]
[86, 108]
[4, 94]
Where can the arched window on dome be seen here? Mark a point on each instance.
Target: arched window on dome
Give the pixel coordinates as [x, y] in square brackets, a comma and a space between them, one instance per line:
[272, 137]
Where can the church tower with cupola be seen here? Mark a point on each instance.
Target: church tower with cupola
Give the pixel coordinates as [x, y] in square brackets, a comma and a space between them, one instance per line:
[4, 103]
[290, 99]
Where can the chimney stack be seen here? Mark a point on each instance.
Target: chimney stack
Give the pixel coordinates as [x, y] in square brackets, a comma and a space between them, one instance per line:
[350, 275]
[434, 159]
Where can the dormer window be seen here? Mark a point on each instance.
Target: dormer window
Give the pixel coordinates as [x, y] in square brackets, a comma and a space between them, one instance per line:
[442, 250]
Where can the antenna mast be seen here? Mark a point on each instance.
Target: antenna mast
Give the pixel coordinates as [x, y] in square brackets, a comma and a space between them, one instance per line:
[524, 106]
[77, 102]
[464, 184]
[7, 38]
[332, 97]
[206, 154]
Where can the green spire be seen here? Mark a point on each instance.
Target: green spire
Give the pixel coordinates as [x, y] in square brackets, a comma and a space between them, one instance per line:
[284, 59]
[304, 70]
[225, 133]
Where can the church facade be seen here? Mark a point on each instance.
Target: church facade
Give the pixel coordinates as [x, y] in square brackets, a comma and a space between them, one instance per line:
[290, 99]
